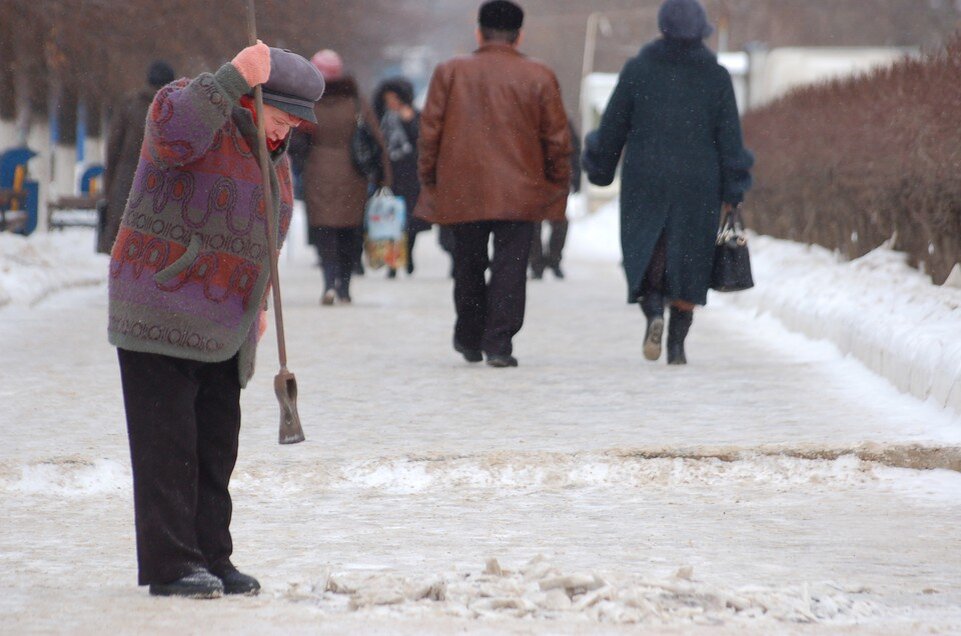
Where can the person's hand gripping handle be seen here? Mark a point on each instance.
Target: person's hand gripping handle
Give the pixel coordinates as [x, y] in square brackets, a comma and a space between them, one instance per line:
[253, 63]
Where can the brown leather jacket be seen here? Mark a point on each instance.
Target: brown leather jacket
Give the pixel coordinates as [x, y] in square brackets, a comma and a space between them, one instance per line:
[494, 140]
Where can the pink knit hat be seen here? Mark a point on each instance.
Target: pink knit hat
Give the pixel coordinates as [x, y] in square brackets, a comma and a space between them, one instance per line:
[329, 64]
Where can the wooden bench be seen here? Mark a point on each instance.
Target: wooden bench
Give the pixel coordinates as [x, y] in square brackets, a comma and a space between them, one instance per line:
[72, 212]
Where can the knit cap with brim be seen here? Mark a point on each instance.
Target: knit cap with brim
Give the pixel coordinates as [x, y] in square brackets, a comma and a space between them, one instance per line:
[683, 20]
[294, 86]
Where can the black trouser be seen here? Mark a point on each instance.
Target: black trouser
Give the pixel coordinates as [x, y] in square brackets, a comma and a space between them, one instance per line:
[411, 240]
[183, 422]
[555, 246]
[489, 314]
[337, 247]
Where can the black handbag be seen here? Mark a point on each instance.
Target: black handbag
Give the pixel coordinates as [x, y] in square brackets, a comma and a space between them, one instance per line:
[732, 263]
[365, 152]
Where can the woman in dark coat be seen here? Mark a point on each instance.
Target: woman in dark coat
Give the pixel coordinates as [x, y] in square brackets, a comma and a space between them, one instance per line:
[400, 125]
[123, 150]
[674, 110]
[335, 193]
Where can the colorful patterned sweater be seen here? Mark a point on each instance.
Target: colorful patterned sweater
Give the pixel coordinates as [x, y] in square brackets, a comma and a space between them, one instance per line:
[189, 270]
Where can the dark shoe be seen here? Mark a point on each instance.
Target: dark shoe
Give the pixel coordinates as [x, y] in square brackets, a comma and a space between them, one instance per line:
[197, 584]
[357, 269]
[471, 355]
[410, 267]
[558, 273]
[537, 274]
[236, 582]
[501, 361]
[653, 337]
[344, 299]
[676, 333]
[391, 273]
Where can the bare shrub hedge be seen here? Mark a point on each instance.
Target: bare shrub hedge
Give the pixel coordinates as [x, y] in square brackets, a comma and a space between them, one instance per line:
[851, 164]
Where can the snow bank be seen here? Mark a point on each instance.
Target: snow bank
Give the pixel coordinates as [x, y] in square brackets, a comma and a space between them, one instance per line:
[876, 308]
[33, 268]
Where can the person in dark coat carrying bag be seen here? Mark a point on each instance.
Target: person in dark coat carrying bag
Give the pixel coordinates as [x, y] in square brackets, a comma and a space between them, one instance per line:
[400, 127]
[189, 275]
[674, 110]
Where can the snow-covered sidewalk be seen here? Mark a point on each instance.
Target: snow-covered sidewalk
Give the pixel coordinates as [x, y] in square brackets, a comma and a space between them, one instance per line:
[587, 490]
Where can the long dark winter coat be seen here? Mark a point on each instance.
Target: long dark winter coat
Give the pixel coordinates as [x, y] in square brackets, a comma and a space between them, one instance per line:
[674, 110]
[123, 155]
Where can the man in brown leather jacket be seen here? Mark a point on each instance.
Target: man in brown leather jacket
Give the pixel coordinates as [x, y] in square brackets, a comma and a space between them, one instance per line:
[494, 159]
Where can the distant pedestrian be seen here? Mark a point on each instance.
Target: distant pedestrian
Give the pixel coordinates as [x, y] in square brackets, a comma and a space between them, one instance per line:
[335, 192]
[400, 125]
[124, 139]
[189, 275]
[550, 258]
[495, 158]
[674, 110]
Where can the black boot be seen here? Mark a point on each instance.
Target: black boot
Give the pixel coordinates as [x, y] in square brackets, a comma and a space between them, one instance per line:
[471, 355]
[236, 582]
[653, 307]
[198, 584]
[676, 333]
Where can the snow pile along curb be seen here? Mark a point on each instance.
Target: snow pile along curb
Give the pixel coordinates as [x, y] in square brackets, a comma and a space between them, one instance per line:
[33, 268]
[875, 308]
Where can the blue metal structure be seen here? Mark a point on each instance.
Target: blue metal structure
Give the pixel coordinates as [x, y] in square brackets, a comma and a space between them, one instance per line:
[29, 201]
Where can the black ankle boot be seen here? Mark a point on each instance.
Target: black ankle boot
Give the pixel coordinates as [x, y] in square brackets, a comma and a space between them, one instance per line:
[236, 582]
[197, 584]
[676, 333]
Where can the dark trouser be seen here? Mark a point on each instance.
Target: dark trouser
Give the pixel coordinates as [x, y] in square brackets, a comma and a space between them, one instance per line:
[411, 240]
[489, 314]
[337, 247]
[555, 246]
[446, 240]
[183, 422]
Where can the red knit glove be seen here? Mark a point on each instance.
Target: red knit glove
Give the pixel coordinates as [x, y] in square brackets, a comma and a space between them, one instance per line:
[254, 63]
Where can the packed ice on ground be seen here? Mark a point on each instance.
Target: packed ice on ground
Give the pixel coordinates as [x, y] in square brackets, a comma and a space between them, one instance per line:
[755, 491]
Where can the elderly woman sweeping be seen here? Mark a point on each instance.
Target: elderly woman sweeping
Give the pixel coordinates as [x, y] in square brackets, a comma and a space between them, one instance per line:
[674, 111]
[189, 275]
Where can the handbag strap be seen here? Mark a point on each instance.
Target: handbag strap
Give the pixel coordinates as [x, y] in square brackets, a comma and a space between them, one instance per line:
[732, 227]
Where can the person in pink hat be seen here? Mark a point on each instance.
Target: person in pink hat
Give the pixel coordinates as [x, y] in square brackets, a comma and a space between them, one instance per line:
[335, 190]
